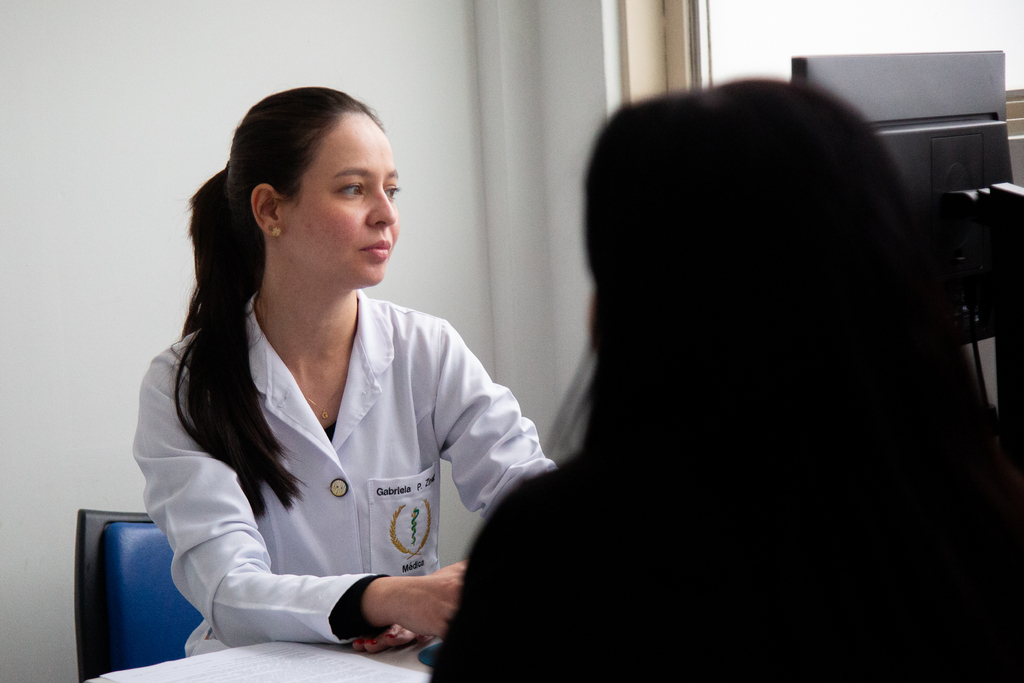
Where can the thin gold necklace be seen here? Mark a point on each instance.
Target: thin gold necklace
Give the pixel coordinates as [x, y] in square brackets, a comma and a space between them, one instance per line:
[259, 321]
[324, 414]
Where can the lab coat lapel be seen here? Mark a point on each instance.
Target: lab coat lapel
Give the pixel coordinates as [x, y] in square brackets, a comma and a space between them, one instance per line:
[372, 353]
[282, 396]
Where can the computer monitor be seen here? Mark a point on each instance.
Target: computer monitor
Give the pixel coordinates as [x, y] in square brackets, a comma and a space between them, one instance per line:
[942, 117]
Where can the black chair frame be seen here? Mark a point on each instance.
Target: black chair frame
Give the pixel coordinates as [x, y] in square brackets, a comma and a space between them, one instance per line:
[92, 630]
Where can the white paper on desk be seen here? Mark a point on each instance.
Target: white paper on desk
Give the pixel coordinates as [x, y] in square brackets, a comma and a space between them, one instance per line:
[271, 663]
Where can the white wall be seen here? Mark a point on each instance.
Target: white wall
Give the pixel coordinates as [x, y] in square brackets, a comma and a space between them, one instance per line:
[758, 38]
[543, 97]
[113, 113]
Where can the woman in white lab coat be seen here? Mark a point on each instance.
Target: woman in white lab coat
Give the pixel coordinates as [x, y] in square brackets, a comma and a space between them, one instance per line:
[291, 440]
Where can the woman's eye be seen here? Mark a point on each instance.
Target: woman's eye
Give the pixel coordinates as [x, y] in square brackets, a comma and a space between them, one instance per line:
[350, 189]
[392, 191]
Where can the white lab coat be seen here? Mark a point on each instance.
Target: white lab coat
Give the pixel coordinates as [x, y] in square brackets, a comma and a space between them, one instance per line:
[414, 394]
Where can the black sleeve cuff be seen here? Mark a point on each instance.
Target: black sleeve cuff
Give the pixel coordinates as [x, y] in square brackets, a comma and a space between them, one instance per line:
[346, 618]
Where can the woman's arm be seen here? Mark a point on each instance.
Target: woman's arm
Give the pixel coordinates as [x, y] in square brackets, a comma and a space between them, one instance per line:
[414, 607]
[221, 563]
[480, 428]
[422, 604]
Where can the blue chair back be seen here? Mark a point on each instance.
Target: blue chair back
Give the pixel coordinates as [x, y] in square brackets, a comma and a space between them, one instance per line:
[148, 618]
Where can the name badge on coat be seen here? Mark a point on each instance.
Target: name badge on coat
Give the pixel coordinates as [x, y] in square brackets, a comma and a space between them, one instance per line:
[405, 514]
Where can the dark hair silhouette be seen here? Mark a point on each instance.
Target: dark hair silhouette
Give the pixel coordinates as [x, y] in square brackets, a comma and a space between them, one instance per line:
[217, 401]
[772, 336]
[786, 469]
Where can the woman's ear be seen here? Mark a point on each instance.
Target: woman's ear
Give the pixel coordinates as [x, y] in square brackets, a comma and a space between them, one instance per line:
[266, 206]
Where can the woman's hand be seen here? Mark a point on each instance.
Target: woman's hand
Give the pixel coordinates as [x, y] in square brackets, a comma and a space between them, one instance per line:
[412, 605]
[394, 636]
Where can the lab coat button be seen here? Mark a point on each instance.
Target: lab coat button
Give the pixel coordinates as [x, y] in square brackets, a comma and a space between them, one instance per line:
[339, 487]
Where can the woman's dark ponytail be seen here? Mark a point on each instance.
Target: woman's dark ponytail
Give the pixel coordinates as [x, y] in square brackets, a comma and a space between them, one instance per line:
[217, 402]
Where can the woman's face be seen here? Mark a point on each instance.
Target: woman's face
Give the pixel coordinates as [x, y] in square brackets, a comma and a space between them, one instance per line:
[340, 228]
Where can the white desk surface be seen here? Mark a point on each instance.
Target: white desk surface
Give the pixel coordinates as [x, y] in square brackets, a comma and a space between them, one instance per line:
[405, 657]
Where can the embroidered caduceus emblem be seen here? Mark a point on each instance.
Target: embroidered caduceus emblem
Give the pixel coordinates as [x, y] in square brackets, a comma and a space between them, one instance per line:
[413, 516]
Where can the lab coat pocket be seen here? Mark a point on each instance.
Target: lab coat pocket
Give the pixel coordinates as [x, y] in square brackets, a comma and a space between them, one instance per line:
[404, 518]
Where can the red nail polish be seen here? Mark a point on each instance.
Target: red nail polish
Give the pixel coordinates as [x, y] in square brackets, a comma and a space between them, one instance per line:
[373, 642]
[358, 641]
